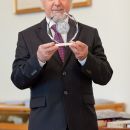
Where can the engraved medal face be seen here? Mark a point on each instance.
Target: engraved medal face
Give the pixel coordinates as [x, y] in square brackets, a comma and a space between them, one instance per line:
[62, 27]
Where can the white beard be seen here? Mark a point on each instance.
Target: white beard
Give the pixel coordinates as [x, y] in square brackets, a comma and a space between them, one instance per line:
[58, 17]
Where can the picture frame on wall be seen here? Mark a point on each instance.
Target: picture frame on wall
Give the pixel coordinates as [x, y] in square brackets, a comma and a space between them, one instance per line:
[32, 6]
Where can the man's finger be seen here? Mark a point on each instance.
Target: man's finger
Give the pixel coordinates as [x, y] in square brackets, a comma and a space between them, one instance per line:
[80, 44]
[74, 49]
[47, 45]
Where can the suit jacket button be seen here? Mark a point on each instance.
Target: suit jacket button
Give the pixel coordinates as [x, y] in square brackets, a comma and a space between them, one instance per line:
[64, 73]
[65, 92]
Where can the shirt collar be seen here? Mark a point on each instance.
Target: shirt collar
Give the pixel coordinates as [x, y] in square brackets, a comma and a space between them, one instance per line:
[51, 22]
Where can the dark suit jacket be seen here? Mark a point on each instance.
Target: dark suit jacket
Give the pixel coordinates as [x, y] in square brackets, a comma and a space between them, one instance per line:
[61, 94]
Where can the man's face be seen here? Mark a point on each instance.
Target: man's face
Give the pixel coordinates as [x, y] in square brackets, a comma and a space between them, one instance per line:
[56, 7]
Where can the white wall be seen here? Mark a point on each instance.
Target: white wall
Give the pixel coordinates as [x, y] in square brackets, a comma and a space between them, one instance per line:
[113, 22]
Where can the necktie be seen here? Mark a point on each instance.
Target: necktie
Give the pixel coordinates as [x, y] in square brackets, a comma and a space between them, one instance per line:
[59, 39]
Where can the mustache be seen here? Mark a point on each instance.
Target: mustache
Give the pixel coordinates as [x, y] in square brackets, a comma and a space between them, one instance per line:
[58, 16]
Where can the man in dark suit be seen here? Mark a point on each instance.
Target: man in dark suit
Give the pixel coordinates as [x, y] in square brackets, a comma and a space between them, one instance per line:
[61, 85]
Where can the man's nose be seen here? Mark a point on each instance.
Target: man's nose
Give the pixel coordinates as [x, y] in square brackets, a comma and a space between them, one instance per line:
[57, 2]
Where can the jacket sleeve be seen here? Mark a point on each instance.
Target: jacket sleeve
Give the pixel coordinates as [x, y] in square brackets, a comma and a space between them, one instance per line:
[26, 68]
[97, 67]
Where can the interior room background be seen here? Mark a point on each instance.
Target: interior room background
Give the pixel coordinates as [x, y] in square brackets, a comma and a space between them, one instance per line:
[110, 17]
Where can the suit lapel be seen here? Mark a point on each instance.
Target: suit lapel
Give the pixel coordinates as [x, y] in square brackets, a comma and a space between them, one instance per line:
[71, 31]
[41, 33]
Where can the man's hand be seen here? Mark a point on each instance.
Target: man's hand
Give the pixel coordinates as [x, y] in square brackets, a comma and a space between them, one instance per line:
[79, 49]
[45, 51]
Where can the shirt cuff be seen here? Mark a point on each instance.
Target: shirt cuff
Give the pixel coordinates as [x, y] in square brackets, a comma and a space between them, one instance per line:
[82, 62]
[41, 63]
